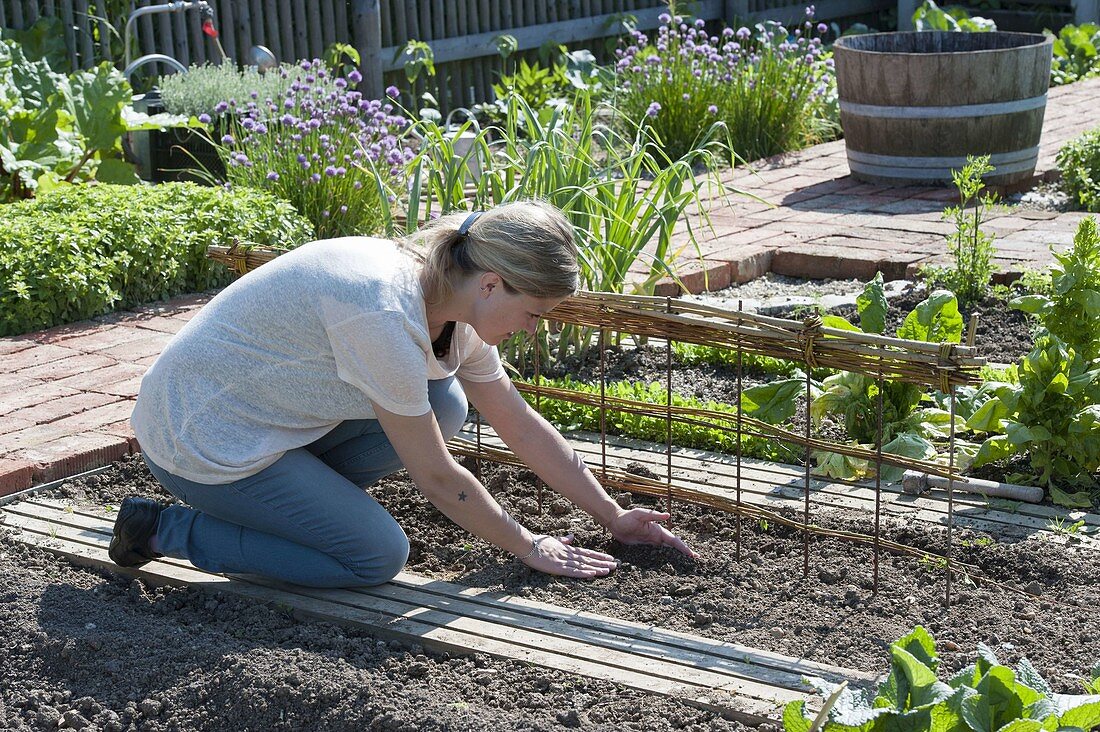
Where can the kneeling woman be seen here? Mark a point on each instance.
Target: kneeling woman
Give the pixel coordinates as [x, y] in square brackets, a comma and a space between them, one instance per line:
[341, 362]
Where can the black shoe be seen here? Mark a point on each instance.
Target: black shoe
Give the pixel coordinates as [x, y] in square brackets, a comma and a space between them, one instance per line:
[135, 525]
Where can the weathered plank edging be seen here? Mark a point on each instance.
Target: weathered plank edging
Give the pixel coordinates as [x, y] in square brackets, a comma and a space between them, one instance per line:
[741, 682]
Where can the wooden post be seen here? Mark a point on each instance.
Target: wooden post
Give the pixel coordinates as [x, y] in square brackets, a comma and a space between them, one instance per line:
[735, 11]
[906, 8]
[366, 21]
[1086, 11]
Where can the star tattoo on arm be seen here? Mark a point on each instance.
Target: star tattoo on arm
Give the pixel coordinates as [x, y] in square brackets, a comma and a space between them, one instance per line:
[462, 496]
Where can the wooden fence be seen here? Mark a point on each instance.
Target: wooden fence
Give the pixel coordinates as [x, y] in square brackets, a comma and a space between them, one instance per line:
[463, 34]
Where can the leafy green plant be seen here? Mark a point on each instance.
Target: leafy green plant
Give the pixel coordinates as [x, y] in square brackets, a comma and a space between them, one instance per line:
[623, 207]
[969, 246]
[217, 89]
[1072, 310]
[1053, 416]
[1075, 53]
[931, 17]
[303, 148]
[692, 354]
[1079, 161]
[81, 251]
[986, 696]
[769, 403]
[1052, 413]
[855, 397]
[57, 129]
[752, 91]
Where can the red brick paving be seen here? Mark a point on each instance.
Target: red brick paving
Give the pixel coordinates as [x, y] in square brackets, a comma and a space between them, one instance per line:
[66, 393]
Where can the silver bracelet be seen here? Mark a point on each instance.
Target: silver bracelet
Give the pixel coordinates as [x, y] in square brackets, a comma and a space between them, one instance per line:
[533, 552]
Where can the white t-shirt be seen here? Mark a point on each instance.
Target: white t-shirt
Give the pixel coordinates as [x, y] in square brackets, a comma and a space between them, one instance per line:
[290, 350]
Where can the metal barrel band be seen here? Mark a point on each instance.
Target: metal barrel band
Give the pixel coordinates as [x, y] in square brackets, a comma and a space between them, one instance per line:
[958, 111]
[938, 167]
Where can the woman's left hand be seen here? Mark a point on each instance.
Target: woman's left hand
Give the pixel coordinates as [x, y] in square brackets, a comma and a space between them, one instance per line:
[639, 526]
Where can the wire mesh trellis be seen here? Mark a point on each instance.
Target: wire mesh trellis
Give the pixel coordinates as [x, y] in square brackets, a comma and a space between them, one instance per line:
[941, 366]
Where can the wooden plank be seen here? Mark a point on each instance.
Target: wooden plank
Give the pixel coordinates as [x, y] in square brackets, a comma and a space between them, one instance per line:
[650, 633]
[84, 33]
[766, 489]
[286, 33]
[327, 24]
[102, 28]
[1032, 515]
[341, 20]
[259, 34]
[273, 19]
[531, 36]
[399, 28]
[301, 37]
[436, 628]
[689, 462]
[143, 39]
[242, 28]
[747, 663]
[18, 22]
[313, 25]
[223, 24]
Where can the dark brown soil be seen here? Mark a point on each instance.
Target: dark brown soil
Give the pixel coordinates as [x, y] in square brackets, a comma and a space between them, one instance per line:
[87, 649]
[197, 660]
[1003, 334]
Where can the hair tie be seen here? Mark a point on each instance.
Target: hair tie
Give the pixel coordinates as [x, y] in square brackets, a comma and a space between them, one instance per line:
[465, 228]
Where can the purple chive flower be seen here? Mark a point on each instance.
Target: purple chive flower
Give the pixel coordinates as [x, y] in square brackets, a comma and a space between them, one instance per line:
[227, 139]
[204, 118]
[743, 33]
[653, 109]
[341, 84]
[316, 177]
[330, 171]
[355, 77]
[343, 209]
[272, 176]
[391, 91]
[713, 109]
[821, 27]
[664, 18]
[220, 107]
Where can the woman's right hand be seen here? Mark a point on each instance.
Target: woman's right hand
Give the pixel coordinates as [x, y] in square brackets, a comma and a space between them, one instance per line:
[557, 555]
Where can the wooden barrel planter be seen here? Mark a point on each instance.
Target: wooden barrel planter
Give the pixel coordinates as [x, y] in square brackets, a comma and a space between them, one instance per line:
[914, 105]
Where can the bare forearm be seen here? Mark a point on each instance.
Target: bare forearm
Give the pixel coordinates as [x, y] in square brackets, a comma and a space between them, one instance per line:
[548, 454]
[463, 499]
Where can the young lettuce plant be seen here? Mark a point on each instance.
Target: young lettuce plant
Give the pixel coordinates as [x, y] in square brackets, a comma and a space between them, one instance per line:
[855, 397]
[986, 696]
[1052, 414]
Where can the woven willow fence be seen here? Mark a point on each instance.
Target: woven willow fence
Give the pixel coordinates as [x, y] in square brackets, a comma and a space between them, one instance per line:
[939, 366]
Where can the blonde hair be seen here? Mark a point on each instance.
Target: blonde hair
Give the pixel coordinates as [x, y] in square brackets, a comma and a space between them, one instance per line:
[528, 243]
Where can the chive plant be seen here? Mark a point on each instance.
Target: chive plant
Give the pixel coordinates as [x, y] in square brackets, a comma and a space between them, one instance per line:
[304, 147]
[762, 84]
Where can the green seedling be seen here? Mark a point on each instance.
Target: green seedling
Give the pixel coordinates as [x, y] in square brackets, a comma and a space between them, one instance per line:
[1060, 525]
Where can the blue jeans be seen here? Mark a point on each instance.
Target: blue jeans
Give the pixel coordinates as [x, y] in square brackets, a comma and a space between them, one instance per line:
[306, 518]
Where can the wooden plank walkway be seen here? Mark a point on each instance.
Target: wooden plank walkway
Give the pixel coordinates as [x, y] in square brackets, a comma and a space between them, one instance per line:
[745, 683]
[775, 485]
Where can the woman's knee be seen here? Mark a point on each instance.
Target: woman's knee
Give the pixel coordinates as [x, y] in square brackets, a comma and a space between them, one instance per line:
[384, 556]
[449, 404]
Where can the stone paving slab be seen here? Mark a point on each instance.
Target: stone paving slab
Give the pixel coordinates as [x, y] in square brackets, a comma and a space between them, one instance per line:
[66, 393]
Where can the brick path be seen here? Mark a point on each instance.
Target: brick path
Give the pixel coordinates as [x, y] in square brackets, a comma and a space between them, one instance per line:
[66, 393]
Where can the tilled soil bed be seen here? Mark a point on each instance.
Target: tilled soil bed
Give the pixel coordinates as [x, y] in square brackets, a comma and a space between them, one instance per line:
[87, 649]
[124, 656]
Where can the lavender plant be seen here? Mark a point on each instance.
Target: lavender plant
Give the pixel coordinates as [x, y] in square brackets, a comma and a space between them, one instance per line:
[752, 90]
[319, 147]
